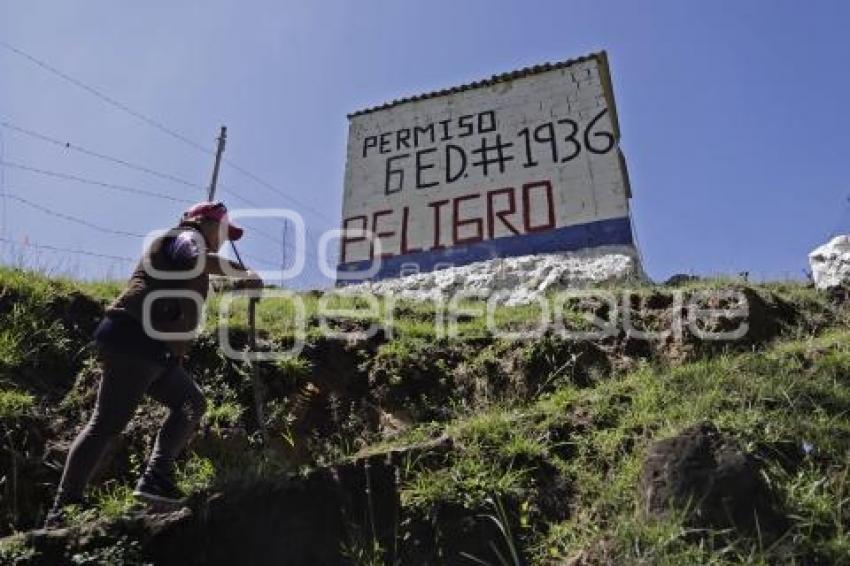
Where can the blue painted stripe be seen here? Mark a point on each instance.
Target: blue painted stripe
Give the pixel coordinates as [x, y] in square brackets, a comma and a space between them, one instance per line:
[612, 232]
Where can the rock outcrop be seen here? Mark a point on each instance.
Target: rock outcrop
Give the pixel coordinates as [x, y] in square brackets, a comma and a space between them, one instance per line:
[830, 263]
[514, 280]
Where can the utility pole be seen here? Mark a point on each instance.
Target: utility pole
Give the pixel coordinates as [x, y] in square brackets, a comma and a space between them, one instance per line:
[222, 139]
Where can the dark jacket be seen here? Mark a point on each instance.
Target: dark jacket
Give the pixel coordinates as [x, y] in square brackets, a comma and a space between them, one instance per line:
[168, 313]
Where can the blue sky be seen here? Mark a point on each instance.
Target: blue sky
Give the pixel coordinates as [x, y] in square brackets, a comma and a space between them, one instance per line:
[732, 113]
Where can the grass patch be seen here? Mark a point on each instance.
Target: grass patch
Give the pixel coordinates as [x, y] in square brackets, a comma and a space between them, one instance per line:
[197, 474]
[565, 463]
[796, 393]
[225, 414]
[14, 550]
[15, 404]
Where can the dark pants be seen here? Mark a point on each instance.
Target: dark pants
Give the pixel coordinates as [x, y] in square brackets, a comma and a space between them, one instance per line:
[126, 379]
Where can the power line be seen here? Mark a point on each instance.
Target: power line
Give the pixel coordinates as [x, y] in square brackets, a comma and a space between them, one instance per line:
[113, 186]
[155, 124]
[249, 202]
[125, 163]
[109, 100]
[97, 227]
[239, 197]
[124, 188]
[70, 218]
[274, 189]
[253, 204]
[88, 224]
[80, 149]
[263, 234]
[67, 145]
[65, 250]
[117, 160]
[57, 249]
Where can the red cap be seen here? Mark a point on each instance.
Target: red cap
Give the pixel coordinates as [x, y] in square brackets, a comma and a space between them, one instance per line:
[214, 211]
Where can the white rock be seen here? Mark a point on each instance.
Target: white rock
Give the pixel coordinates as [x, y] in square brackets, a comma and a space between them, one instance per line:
[518, 280]
[831, 263]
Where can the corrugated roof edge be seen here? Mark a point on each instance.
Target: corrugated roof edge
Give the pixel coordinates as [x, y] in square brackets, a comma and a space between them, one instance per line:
[495, 79]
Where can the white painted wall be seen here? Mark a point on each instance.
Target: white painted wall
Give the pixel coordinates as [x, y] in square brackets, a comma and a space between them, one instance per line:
[589, 187]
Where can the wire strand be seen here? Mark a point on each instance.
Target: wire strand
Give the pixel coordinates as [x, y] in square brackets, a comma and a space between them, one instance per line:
[113, 186]
[70, 218]
[108, 99]
[153, 123]
[90, 152]
[65, 250]
[83, 222]
[123, 188]
[269, 186]
[157, 125]
[67, 145]
[125, 163]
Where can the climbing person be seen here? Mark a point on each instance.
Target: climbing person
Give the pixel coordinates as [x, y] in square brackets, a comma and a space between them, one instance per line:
[141, 342]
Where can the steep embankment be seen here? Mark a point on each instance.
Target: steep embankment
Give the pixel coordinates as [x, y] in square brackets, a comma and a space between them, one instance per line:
[402, 445]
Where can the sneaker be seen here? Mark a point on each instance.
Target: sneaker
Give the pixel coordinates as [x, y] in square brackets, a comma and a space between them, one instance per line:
[154, 488]
[56, 518]
[59, 515]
